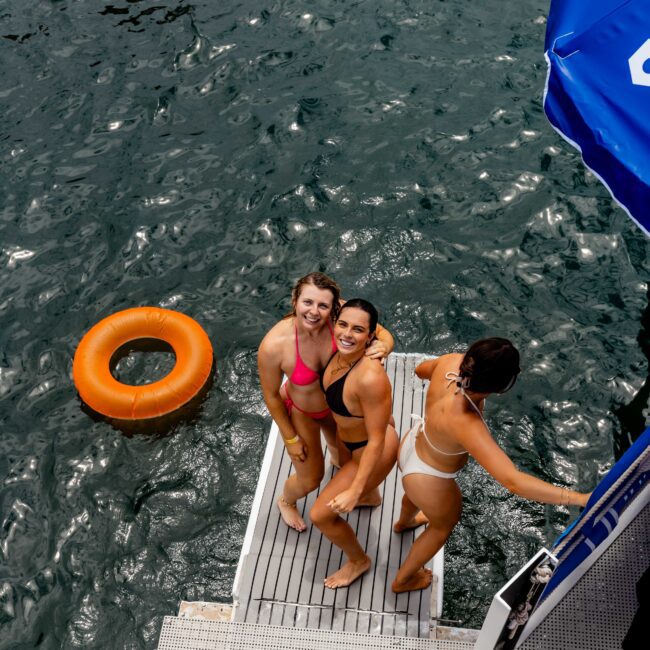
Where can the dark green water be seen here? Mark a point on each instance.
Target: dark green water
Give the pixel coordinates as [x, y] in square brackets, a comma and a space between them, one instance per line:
[202, 157]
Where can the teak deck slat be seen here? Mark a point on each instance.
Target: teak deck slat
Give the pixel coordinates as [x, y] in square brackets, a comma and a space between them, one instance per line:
[280, 577]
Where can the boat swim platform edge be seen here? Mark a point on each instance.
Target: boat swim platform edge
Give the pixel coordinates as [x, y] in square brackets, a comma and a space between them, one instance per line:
[200, 634]
[279, 579]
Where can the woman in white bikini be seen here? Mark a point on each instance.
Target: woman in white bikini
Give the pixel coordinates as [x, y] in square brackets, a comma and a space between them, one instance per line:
[438, 446]
[299, 347]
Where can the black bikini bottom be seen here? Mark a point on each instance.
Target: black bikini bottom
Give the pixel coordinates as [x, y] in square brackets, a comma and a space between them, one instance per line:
[354, 445]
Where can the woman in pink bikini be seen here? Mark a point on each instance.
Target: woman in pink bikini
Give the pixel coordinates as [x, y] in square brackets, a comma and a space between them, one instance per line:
[299, 346]
[438, 447]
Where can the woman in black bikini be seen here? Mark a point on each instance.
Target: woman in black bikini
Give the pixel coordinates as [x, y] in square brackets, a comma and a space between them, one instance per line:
[358, 393]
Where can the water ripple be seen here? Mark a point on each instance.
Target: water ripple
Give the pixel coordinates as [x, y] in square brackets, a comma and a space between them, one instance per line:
[203, 157]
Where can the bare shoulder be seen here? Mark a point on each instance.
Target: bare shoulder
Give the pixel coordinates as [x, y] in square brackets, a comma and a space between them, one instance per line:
[427, 368]
[448, 362]
[276, 338]
[372, 375]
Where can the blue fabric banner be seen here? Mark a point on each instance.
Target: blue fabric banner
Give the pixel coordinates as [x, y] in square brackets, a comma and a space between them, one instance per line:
[597, 521]
[598, 92]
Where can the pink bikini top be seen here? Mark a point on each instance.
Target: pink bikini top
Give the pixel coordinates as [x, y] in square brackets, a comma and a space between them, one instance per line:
[302, 375]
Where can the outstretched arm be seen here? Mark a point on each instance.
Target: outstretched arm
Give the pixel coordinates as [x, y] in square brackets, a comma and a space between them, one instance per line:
[480, 444]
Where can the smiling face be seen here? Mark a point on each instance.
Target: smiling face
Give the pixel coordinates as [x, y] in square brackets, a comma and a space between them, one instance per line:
[352, 331]
[313, 307]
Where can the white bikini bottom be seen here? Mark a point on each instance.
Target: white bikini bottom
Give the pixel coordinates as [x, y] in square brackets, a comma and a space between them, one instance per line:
[410, 463]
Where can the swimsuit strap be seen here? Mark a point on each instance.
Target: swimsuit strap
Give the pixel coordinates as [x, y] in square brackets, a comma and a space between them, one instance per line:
[421, 422]
[327, 365]
[334, 348]
[341, 379]
[461, 384]
[302, 374]
[321, 374]
[334, 392]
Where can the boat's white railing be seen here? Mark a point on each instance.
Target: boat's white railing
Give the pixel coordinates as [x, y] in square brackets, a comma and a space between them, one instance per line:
[255, 509]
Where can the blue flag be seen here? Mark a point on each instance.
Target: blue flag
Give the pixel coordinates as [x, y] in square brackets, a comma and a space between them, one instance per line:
[598, 92]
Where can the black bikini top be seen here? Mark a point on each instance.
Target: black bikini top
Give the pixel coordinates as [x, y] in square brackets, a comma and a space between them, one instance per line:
[334, 392]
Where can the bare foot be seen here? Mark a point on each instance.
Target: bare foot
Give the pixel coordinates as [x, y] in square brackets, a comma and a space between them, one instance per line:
[420, 519]
[348, 573]
[290, 516]
[370, 500]
[421, 579]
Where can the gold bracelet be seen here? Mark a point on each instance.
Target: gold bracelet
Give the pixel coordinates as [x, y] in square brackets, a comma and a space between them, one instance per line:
[291, 441]
[565, 499]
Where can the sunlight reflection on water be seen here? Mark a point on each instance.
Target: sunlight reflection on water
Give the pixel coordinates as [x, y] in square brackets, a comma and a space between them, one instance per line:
[203, 158]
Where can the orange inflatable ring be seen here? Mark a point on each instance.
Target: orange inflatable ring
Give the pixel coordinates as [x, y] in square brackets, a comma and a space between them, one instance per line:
[102, 392]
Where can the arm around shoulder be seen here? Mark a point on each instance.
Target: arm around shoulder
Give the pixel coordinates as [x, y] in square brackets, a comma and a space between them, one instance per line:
[386, 338]
[382, 345]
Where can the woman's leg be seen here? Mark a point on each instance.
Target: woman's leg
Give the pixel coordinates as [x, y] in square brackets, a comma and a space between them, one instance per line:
[410, 516]
[308, 473]
[328, 427]
[338, 531]
[335, 528]
[440, 502]
[371, 497]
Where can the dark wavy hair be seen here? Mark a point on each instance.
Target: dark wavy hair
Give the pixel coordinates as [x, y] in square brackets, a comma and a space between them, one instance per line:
[320, 281]
[366, 306]
[491, 365]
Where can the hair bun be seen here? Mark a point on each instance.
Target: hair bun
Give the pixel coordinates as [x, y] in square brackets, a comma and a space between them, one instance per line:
[467, 367]
[491, 364]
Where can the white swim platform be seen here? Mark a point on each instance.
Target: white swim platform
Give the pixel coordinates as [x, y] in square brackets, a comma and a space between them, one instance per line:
[279, 600]
[194, 634]
[280, 576]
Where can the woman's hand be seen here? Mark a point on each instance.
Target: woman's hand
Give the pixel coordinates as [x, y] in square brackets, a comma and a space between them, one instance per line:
[297, 451]
[377, 350]
[582, 500]
[344, 502]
